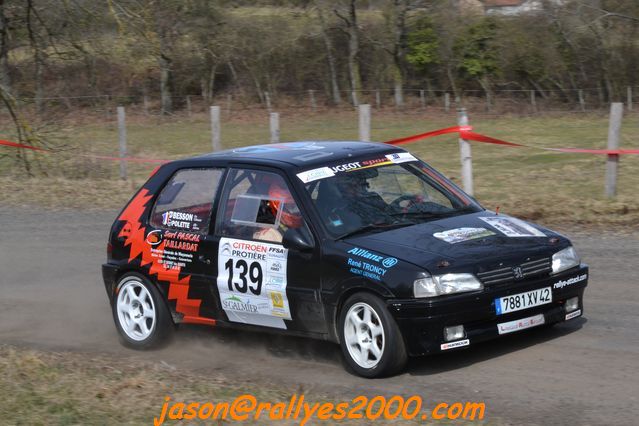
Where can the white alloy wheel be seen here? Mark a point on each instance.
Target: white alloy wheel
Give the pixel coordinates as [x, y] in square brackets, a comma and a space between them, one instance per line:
[136, 310]
[364, 335]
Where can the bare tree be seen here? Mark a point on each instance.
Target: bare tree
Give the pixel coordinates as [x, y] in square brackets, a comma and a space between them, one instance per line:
[39, 54]
[155, 23]
[330, 55]
[397, 18]
[349, 17]
[5, 79]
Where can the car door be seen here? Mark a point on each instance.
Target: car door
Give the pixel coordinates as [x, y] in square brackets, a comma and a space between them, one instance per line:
[259, 281]
[182, 217]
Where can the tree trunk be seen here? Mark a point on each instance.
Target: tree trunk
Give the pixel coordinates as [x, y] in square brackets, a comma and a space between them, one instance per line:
[398, 90]
[165, 61]
[399, 49]
[451, 80]
[5, 79]
[38, 59]
[332, 68]
[210, 83]
[166, 84]
[353, 50]
[485, 84]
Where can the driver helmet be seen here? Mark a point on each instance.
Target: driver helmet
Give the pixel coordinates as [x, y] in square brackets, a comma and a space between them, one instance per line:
[281, 198]
[352, 184]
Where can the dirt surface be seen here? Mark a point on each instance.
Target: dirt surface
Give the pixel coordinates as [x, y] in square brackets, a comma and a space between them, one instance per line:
[583, 372]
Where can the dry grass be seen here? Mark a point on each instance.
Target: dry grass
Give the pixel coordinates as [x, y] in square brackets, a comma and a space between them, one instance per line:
[48, 388]
[39, 388]
[551, 188]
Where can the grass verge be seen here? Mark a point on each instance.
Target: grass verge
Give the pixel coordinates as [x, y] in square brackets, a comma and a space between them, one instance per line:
[551, 188]
[47, 388]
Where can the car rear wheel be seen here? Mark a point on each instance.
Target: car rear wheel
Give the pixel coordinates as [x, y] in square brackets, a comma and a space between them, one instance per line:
[140, 313]
[370, 339]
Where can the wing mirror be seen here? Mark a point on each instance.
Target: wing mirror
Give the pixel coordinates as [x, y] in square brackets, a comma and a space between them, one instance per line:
[298, 239]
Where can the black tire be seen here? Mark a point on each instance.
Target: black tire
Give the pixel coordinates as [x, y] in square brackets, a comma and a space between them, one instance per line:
[152, 332]
[393, 355]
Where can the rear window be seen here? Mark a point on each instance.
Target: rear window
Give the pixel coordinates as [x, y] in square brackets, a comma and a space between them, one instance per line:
[186, 201]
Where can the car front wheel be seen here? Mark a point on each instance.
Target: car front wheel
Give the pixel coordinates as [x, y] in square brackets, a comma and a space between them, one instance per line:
[370, 338]
[140, 313]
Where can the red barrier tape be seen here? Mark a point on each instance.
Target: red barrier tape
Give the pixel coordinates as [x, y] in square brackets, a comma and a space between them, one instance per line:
[100, 157]
[465, 132]
[19, 145]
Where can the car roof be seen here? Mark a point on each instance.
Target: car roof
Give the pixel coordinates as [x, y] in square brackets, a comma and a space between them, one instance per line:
[298, 155]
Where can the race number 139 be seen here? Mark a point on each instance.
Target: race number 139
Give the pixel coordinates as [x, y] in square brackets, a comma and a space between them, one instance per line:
[250, 276]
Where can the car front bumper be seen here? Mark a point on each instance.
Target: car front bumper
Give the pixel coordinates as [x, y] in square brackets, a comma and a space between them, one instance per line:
[422, 321]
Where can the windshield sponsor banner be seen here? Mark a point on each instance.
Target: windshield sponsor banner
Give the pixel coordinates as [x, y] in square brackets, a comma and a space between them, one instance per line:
[326, 172]
[459, 235]
[570, 281]
[512, 227]
[252, 282]
[401, 157]
[315, 174]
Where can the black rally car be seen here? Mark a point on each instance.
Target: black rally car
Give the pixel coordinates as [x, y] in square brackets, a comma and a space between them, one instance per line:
[356, 243]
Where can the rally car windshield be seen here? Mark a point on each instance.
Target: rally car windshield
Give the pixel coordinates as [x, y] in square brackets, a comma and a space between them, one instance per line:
[369, 198]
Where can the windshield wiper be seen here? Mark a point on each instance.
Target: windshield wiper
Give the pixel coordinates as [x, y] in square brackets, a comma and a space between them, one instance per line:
[375, 227]
[434, 215]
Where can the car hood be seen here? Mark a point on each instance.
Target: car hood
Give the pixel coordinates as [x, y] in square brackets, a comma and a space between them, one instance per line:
[439, 246]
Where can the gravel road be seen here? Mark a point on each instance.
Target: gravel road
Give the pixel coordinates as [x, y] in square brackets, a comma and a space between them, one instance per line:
[584, 372]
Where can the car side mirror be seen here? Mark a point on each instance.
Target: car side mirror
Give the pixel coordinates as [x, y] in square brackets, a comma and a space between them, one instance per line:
[298, 239]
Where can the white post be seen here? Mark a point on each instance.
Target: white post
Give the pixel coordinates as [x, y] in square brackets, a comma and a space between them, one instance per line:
[465, 155]
[378, 99]
[215, 128]
[582, 102]
[188, 105]
[365, 122]
[275, 127]
[533, 100]
[629, 95]
[311, 96]
[447, 102]
[122, 140]
[422, 98]
[614, 134]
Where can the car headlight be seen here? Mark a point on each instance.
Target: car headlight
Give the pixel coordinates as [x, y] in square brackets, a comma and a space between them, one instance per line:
[565, 259]
[445, 284]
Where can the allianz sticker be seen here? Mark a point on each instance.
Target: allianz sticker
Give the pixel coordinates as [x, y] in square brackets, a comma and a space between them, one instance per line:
[252, 282]
[401, 157]
[369, 264]
[315, 174]
[512, 227]
[458, 235]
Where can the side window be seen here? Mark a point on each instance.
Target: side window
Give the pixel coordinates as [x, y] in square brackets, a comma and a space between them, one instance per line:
[186, 201]
[258, 206]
